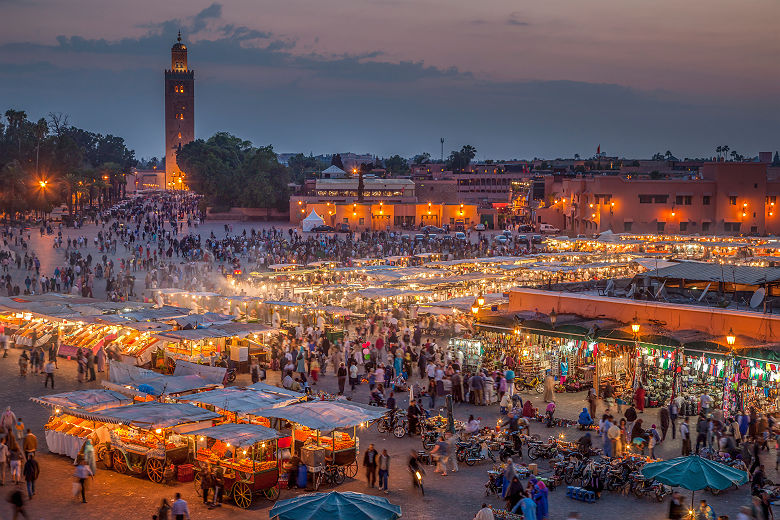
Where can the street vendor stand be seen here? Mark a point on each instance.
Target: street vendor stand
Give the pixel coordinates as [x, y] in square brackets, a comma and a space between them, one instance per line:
[147, 438]
[313, 420]
[241, 404]
[246, 453]
[65, 433]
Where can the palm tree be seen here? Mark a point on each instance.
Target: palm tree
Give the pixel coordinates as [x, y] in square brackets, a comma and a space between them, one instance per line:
[40, 129]
[718, 150]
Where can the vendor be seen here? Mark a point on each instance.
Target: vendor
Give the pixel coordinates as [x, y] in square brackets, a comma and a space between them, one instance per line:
[292, 467]
[585, 419]
[414, 416]
[584, 443]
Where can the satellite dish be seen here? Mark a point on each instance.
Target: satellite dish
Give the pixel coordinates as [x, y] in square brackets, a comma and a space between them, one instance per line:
[757, 297]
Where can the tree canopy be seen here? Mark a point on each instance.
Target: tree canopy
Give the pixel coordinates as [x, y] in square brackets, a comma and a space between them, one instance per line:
[231, 172]
[48, 161]
[459, 160]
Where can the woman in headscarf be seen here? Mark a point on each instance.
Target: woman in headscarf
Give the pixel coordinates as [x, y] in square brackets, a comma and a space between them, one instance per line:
[528, 410]
[585, 419]
[509, 474]
[540, 493]
[514, 493]
[639, 398]
[89, 456]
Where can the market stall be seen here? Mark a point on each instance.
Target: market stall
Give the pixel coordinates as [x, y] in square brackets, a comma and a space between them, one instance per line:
[246, 456]
[65, 434]
[188, 377]
[317, 433]
[148, 438]
[241, 405]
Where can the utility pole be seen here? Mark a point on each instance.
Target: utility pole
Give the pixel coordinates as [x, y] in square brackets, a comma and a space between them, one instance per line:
[442, 149]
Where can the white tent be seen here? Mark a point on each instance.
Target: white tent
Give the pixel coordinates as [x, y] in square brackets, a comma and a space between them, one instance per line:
[312, 221]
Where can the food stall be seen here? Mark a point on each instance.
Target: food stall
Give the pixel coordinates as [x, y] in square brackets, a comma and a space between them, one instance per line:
[148, 438]
[241, 404]
[317, 433]
[188, 377]
[65, 434]
[245, 453]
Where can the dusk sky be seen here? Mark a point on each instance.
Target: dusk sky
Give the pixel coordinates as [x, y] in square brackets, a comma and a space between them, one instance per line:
[516, 79]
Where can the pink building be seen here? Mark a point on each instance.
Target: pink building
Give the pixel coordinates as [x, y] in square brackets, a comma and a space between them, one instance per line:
[725, 198]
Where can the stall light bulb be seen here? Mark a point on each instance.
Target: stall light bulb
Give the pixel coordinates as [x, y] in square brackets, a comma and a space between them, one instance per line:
[57, 410]
[263, 445]
[202, 438]
[244, 452]
[227, 444]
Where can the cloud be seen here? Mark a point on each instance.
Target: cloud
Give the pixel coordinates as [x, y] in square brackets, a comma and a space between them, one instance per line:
[515, 20]
[268, 88]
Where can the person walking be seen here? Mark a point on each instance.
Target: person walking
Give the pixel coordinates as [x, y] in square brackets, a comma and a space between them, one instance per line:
[384, 470]
[370, 464]
[81, 473]
[685, 436]
[164, 511]
[3, 461]
[30, 444]
[15, 460]
[206, 484]
[341, 375]
[664, 419]
[441, 452]
[180, 509]
[31, 472]
[16, 499]
[48, 369]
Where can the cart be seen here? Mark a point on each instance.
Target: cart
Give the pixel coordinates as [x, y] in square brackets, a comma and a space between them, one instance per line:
[146, 438]
[309, 421]
[246, 454]
[135, 450]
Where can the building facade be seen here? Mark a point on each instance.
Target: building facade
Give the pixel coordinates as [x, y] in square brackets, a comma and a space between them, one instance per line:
[724, 198]
[179, 112]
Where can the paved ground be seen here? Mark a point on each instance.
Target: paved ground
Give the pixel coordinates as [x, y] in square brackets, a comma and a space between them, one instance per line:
[456, 496]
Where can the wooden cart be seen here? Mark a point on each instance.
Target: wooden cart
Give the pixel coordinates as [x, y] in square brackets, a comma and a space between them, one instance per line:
[246, 456]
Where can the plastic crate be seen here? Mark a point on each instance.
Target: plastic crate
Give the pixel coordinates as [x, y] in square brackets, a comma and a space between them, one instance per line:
[185, 473]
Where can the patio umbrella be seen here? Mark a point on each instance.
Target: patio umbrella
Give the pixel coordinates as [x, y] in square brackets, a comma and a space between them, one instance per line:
[694, 473]
[346, 505]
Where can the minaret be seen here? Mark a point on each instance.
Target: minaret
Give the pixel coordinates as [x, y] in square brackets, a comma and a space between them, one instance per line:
[179, 112]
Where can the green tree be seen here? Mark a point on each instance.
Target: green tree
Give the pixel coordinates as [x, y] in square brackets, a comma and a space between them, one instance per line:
[459, 160]
[396, 164]
[423, 158]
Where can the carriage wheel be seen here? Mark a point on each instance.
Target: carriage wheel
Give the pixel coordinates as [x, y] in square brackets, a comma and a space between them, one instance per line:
[242, 495]
[351, 470]
[120, 464]
[155, 470]
[272, 493]
[100, 453]
[196, 482]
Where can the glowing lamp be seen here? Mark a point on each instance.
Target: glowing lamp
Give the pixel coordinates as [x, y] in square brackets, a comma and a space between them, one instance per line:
[730, 337]
[481, 300]
[635, 325]
[475, 307]
[158, 430]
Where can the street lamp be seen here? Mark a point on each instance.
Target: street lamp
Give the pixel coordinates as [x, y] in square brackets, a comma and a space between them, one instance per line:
[635, 325]
[553, 317]
[481, 300]
[730, 337]
[43, 184]
[475, 308]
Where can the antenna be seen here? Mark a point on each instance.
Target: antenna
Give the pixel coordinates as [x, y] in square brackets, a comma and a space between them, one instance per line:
[442, 149]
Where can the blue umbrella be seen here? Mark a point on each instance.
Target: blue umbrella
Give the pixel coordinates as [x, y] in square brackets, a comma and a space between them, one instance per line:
[346, 505]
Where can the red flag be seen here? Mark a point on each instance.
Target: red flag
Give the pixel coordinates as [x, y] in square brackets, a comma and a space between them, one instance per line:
[598, 150]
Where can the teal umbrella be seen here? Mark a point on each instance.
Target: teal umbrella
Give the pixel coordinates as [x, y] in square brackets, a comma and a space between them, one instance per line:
[346, 505]
[694, 473]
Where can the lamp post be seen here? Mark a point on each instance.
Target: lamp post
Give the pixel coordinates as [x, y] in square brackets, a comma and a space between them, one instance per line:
[635, 326]
[728, 373]
[553, 318]
[475, 307]
[481, 299]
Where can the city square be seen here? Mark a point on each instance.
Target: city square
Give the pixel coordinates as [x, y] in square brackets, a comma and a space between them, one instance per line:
[239, 278]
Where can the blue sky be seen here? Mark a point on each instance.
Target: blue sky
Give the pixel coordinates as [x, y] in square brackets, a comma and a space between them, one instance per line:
[516, 79]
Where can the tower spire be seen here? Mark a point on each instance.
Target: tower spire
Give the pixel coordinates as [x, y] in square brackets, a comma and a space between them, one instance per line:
[179, 38]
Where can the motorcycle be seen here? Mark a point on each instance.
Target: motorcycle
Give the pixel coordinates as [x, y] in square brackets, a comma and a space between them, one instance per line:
[546, 450]
[529, 383]
[645, 487]
[429, 438]
[230, 376]
[395, 423]
[474, 453]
